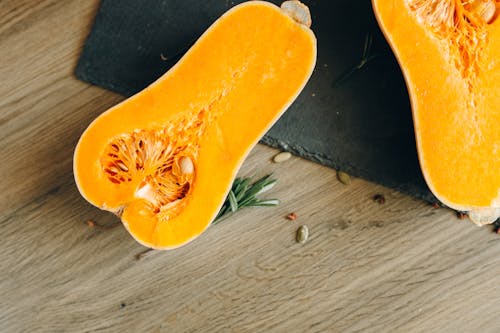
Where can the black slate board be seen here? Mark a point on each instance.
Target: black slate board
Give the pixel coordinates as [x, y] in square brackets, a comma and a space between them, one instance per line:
[358, 121]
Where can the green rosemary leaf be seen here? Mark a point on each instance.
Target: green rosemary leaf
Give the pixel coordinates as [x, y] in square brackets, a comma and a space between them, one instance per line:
[267, 203]
[263, 181]
[248, 202]
[244, 193]
[267, 186]
[257, 187]
[242, 188]
[223, 211]
[232, 201]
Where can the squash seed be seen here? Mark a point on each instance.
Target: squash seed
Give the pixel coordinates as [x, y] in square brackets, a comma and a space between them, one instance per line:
[485, 9]
[122, 166]
[281, 157]
[186, 165]
[343, 177]
[302, 234]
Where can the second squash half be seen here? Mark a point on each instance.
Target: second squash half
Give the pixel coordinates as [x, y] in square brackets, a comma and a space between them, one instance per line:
[449, 52]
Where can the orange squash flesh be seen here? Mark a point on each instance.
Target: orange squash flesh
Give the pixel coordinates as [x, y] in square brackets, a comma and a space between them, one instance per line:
[164, 159]
[449, 53]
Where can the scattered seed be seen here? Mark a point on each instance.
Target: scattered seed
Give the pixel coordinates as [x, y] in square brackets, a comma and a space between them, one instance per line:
[113, 180]
[113, 170]
[186, 165]
[281, 157]
[91, 223]
[302, 234]
[379, 198]
[291, 216]
[145, 254]
[162, 57]
[461, 215]
[435, 205]
[122, 305]
[122, 166]
[343, 177]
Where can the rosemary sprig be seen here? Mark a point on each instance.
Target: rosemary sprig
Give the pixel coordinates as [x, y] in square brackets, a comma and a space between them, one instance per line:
[365, 58]
[244, 193]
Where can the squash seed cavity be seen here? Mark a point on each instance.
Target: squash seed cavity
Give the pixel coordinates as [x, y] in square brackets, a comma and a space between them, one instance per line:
[160, 162]
[461, 24]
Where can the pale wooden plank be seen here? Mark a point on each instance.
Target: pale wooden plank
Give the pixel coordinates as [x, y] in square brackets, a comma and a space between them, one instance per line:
[380, 263]
[43, 108]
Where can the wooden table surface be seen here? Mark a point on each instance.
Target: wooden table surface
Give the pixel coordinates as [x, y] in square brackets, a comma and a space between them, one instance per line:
[402, 266]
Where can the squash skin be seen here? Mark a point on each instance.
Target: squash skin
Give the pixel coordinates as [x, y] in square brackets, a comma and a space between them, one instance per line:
[239, 81]
[455, 120]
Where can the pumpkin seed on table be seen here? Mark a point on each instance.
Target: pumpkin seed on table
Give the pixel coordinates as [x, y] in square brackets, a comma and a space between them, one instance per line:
[302, 234]
[282, 157]
[343, 177]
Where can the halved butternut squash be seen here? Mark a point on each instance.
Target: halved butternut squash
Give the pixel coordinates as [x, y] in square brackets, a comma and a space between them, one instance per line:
[449, 52]
[164, 159]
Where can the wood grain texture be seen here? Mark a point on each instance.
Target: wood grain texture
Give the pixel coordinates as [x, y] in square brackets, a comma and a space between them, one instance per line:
[401, 266]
